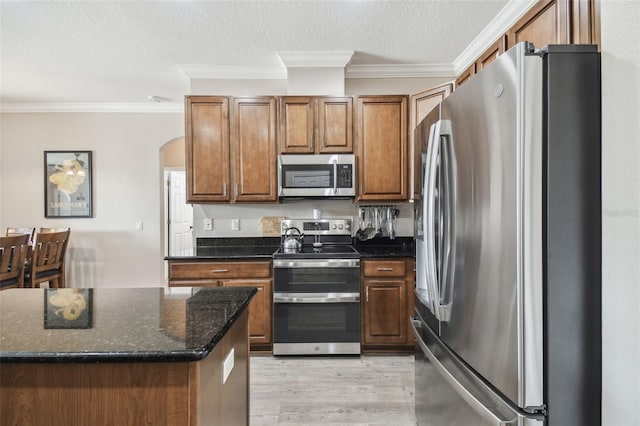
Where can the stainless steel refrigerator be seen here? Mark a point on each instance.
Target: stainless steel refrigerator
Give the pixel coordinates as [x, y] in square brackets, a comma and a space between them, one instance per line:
[508, 245]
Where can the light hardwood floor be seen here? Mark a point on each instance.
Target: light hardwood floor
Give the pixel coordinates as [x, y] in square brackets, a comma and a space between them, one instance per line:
[369, 390]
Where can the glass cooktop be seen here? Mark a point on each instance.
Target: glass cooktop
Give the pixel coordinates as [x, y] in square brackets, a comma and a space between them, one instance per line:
[325, 251]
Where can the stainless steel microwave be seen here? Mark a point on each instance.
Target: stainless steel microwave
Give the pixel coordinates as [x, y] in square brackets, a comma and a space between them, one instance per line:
[321, 175]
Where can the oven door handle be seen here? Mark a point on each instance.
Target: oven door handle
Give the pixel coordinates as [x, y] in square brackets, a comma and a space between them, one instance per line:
[316, 263]
[316, 297]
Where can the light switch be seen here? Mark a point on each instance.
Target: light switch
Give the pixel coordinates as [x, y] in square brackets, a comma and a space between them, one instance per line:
[139, 225]
[235, 224]
[208, 224]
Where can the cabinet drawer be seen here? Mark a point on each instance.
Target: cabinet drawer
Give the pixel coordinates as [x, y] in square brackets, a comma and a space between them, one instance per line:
[384, 268]
[208, 270]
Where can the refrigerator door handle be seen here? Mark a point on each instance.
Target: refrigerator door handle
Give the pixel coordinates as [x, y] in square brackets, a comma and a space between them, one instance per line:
[438, 283]
[448, 184]
[428, 218]
[480, 408]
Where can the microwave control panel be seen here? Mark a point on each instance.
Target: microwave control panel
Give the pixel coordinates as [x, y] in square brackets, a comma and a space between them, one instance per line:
[345, 176]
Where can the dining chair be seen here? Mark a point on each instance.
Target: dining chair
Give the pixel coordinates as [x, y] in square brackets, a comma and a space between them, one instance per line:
[17, 231]
[13, 251]
[50, 230]
[48, 260]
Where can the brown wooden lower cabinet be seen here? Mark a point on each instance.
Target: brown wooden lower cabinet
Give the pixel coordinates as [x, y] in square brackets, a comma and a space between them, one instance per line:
[243, 273]
[387, 293]
[149, 393]
[259, 312]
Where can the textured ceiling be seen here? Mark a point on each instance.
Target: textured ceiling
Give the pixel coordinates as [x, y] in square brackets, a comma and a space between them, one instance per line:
[86, 51]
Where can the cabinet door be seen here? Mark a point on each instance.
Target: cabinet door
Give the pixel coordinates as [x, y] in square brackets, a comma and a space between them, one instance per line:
[296, 125]
[259, 309]
[466, 75]
[335, 125]
[253, 138]
[491, 54]
[546, 23]
[420, 105]
[382, 148]
[207, 148]
[385, 312]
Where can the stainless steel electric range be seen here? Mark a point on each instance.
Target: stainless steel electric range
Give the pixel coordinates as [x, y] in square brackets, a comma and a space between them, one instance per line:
[316, 289]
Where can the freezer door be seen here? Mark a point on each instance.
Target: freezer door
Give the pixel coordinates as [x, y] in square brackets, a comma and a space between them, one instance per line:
[447, 393]
[486, 295]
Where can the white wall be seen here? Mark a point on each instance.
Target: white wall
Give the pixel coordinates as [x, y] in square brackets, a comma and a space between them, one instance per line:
[106, 250]
[621, 211]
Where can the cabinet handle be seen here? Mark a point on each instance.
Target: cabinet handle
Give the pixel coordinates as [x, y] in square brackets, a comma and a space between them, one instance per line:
[236, 189]
[224, 189]
[385, 269]
[366, 291]
[219, 270]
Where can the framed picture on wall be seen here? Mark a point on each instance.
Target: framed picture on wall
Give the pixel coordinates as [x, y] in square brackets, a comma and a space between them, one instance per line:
[67, 184]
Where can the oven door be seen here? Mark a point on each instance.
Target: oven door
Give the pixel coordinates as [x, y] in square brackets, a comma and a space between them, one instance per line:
[316, 276]
[316, 306]
[316, 324]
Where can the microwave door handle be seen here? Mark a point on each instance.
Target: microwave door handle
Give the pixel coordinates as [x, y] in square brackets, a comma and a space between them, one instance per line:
[335, 176]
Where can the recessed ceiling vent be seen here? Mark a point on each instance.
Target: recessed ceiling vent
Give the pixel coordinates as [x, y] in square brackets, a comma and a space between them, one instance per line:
[315, 73]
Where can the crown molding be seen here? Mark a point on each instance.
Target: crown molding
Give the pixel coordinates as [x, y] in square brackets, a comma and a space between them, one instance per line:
[234, 72]
[504, 20]
[164, 107]
[312, 59]
[400, 71]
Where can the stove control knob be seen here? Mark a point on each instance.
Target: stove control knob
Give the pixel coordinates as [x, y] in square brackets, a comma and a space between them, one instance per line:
[347, 226]
[340, 226]
[334, 226]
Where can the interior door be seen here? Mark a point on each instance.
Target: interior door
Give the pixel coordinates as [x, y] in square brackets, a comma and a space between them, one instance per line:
[180, 220]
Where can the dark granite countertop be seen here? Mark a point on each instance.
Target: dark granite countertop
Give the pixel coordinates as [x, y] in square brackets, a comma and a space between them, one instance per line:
[249, 248]
[400, 247]
[117, 324]
[230, 249]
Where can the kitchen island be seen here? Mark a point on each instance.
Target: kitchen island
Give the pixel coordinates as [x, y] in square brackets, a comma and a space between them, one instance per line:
[124, 356]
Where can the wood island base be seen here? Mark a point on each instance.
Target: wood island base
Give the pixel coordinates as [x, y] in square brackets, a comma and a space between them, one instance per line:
[144, 393]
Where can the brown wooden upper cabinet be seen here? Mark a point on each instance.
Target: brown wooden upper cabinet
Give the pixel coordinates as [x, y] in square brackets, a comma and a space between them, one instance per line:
[491, 54]
[207, 148]
[230, 152]
[253, 142]
[319, 125]
[421, 104]
[547, 22]
[466, 75]
[381, 139]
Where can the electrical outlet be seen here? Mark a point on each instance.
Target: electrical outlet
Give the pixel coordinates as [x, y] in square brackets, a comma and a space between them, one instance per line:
[227, 365]
[235, 224]
[139, 225]
[208, 224]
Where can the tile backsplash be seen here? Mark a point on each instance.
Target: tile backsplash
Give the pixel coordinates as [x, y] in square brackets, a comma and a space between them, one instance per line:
[247, 217]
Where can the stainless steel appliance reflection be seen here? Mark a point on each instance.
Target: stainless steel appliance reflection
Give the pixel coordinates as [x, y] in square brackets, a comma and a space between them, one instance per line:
[508, 292]
[316, 299]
